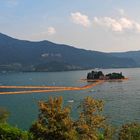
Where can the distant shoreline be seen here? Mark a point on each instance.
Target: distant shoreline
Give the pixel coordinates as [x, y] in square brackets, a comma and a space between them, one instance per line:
[84, 69]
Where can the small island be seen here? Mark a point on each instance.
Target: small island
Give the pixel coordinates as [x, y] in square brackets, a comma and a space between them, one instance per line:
[99, 75]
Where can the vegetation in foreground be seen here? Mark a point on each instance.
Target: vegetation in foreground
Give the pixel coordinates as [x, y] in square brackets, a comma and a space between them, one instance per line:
[55, 123]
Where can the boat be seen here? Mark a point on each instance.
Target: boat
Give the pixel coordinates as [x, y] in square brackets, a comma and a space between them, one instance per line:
[70, 101]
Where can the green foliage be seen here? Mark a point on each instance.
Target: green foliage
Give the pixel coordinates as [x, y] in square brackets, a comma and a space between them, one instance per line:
[54, 122]
[95, 75]
[90, 121]
[130, 132]
[8, 132]
[109, 133]
[4, 114]
[115, 76]
[99, 75]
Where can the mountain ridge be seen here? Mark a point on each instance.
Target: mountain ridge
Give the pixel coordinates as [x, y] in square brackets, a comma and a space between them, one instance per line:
[135, 55]
[23, 55]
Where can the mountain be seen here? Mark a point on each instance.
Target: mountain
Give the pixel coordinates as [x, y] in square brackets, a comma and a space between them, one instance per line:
[22, 55]
[135, 55]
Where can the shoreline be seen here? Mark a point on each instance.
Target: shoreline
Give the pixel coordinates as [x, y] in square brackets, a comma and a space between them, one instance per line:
[106, 80]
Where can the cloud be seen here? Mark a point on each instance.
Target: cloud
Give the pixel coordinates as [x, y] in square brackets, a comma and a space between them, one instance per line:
[121, 11]
[51, 31]
[80, 19]
[118, 24]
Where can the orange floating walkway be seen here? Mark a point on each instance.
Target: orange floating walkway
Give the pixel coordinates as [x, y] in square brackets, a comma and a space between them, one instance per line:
[46, 89]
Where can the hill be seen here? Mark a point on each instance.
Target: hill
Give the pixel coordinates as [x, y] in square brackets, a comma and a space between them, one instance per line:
[135, 55]
[22, 55]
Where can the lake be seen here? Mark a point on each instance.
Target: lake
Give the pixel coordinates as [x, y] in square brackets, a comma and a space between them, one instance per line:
[122, 99]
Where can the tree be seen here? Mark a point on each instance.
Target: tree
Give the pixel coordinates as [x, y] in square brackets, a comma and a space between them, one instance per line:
[8, 132]
[53, 122]
[90, 121]
[130, 131]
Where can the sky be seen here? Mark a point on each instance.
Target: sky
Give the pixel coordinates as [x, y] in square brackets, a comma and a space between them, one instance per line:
[101, 25]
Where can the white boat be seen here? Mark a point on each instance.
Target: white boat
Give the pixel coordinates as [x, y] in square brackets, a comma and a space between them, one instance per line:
[70, 101]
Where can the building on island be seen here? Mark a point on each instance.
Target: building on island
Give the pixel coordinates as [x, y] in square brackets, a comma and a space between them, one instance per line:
[98, 75]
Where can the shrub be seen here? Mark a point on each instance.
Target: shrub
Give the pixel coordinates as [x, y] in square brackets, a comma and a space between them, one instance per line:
[4, 114]
[8, 132]
[90, 121]
[54, 122]
[130, 131]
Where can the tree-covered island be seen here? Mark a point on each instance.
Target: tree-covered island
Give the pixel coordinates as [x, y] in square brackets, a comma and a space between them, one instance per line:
[99, 75]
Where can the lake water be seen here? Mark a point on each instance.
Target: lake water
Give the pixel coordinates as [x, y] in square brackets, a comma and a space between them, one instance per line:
[122, 99]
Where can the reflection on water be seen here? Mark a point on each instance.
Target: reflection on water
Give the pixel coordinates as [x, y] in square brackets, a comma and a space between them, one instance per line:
[122, 99]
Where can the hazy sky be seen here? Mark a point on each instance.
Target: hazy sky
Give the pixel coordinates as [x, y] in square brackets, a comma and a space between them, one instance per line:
[103, 25]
